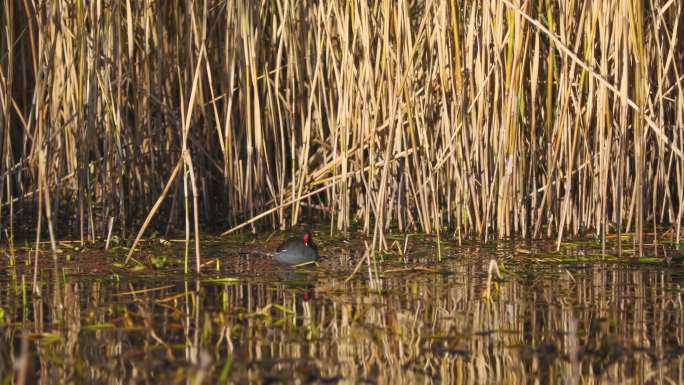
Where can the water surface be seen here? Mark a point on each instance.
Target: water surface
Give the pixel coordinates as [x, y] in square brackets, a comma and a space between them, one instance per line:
[561, 318]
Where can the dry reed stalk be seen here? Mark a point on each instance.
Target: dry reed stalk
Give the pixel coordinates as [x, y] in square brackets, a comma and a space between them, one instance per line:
[490, 119]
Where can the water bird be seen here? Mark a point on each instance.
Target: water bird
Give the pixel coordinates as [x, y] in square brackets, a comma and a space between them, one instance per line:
[297, 251]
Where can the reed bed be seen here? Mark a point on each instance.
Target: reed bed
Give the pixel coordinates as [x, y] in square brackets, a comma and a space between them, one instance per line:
[489, 119]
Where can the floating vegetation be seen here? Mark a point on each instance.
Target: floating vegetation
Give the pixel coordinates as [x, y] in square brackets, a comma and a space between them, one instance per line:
[255, 321]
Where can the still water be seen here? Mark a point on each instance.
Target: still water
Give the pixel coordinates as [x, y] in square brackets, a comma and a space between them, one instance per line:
[551, 319]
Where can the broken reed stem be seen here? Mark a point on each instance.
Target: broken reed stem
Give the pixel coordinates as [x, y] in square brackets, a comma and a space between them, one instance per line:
[110, 227]
[154, 209]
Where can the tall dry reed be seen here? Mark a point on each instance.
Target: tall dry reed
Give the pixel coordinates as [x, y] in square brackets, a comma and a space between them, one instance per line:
[490, 119]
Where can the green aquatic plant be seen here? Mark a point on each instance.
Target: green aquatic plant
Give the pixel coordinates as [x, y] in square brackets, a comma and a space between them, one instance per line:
[158, 261]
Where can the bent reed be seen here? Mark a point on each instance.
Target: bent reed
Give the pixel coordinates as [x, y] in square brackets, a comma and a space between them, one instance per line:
[489, 119]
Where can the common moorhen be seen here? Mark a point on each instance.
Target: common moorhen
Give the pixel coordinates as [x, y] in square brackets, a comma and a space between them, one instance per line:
[296, 251]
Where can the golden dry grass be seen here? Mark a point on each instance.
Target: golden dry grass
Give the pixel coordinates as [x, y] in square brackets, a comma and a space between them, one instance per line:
[490, 119]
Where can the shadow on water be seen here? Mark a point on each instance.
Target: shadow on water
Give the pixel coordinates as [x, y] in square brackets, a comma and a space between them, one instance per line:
[253, 322]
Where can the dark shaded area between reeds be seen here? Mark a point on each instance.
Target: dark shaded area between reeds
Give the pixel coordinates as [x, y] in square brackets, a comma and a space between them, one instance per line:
[487, 119]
